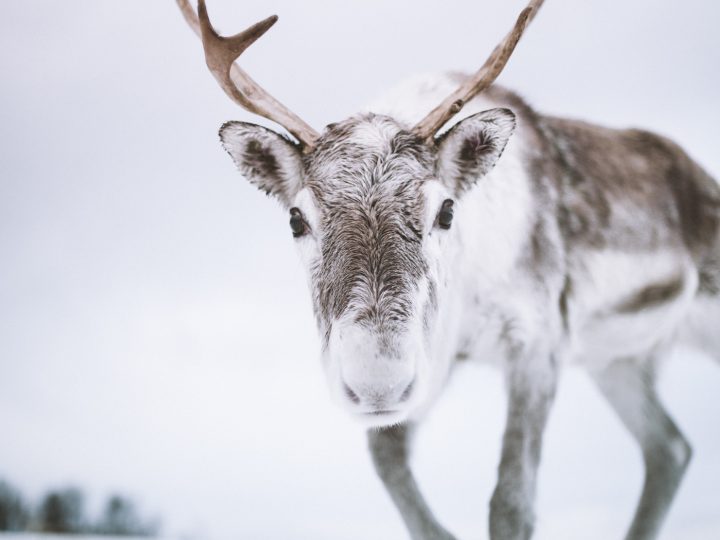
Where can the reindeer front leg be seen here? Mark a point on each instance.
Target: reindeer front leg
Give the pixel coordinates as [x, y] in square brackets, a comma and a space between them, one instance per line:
[531, 382]
[390, 449]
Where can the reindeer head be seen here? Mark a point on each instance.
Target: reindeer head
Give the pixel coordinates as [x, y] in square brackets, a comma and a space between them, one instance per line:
[370, 204]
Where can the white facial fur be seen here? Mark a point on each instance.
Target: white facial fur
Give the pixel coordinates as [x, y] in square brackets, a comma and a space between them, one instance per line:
[353, 356]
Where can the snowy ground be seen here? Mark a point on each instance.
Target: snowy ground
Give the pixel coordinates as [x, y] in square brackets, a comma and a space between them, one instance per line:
[156, 332]
[38, 536]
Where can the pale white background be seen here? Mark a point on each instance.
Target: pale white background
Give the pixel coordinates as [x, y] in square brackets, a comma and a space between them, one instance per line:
[156, 335]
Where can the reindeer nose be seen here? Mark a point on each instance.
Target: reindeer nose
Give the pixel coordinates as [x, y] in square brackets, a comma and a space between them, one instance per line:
[378, 396]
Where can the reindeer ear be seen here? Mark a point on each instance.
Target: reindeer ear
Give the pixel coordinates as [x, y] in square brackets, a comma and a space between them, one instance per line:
[267, 159]
[470, 149]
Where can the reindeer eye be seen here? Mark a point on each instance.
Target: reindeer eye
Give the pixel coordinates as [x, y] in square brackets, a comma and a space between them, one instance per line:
[445, 215]
[297, 222]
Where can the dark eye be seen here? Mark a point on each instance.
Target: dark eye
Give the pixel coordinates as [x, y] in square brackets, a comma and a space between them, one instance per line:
[297, 222]
[445, 215]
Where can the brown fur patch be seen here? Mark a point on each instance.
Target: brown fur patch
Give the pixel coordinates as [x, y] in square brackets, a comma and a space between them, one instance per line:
[651, 296]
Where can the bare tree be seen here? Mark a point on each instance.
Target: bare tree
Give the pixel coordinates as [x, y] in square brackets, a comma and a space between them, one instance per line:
[120, 518]
[14, 514]
[63, 512]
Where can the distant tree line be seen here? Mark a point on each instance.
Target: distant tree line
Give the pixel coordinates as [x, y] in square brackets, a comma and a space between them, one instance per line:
[63, 511]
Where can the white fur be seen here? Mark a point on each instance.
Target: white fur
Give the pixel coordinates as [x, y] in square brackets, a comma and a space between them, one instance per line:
[596, 336]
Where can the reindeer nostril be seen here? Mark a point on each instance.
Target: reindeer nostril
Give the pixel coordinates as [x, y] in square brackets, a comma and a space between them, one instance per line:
[406, 393]
[352, 396]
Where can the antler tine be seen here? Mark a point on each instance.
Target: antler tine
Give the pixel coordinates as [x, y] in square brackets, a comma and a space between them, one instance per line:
[190, 16]
[481, 80]
[220, 55]
[228, 49]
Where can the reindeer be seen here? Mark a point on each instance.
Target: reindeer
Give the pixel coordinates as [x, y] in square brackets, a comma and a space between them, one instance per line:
[527, 239]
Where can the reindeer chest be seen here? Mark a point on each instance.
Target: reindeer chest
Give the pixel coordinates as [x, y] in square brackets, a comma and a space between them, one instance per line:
[492, 325]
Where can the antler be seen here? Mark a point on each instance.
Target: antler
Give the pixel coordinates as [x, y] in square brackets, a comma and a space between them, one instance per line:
[220, 55]
[484, 77]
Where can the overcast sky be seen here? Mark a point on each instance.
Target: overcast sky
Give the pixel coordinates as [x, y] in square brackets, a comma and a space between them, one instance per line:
[155, 330]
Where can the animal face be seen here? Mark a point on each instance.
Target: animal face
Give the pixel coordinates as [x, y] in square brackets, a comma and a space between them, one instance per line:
[371, 210]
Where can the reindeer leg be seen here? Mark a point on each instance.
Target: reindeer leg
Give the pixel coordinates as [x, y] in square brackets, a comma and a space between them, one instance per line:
[531, 385]
[390, 448]
[629, 386]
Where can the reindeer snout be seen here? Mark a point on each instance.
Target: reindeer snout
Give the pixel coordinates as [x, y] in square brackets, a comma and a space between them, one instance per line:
[372, 396]
[374, 375]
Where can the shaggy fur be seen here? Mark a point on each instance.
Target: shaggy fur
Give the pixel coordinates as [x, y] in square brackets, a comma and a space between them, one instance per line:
[568, 242]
